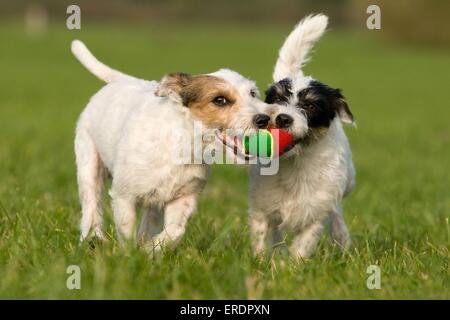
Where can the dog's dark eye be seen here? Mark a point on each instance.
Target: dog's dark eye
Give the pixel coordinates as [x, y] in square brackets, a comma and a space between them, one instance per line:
[277, 100]
[253, 93]
[309, 107]
[221, 101]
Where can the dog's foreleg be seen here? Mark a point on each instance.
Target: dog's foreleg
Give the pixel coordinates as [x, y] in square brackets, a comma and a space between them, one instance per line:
[338, 229]
[305, 242]
[278, 239]
[150, 225]
[124, 216]
[90, 176]
[176, 216]
[259, 225]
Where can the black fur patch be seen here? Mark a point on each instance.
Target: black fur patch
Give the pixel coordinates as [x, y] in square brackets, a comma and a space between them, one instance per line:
[279, 92]
[319, 103]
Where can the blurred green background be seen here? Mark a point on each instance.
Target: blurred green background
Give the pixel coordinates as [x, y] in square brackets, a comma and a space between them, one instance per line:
[395, 80]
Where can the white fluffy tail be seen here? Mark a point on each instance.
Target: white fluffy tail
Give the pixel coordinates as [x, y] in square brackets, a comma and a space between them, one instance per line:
[294, 52]
[100, 70]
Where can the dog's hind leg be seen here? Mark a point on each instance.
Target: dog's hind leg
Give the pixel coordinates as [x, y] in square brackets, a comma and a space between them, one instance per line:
[176, 216]
[305, 242]
[90, 176]
[338, 229]
[151, 224]
[278, 238]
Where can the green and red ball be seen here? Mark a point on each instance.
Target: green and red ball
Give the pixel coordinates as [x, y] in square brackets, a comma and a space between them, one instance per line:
[268, 143]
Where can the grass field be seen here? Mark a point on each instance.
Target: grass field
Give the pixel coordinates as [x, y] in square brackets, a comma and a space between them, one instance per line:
[398, 214]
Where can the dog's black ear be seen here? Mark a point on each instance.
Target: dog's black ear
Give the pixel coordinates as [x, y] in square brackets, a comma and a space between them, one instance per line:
[172, 85]
[342, 108]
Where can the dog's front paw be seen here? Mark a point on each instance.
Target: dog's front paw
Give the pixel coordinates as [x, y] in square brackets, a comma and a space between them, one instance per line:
[95, 242]
[96, 239]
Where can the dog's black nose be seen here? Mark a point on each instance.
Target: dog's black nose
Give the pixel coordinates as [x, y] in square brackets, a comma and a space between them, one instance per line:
[283, 120]
[261, 120]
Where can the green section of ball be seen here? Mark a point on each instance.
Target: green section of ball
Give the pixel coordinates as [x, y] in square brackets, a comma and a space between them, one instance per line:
[259, 144]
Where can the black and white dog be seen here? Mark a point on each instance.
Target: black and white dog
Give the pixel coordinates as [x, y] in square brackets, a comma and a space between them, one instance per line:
[318, 172]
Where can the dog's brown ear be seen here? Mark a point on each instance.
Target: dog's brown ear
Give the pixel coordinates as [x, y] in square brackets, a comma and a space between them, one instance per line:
[172, 85]
[342, 108]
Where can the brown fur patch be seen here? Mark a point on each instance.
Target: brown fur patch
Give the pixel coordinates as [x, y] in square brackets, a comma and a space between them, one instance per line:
[173, 82]
[199, 95]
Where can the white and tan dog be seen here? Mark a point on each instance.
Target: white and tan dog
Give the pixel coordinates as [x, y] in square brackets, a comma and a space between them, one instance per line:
[318, 172]
[125, 132]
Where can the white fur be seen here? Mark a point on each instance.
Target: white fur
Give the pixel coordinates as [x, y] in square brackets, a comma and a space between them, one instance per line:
[307, 189]
[126, 131]
[312, 179]
[294, 52]
[102, 71]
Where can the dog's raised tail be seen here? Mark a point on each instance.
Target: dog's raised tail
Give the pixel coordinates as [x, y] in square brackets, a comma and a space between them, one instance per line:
[100, 70]
[294, 52]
